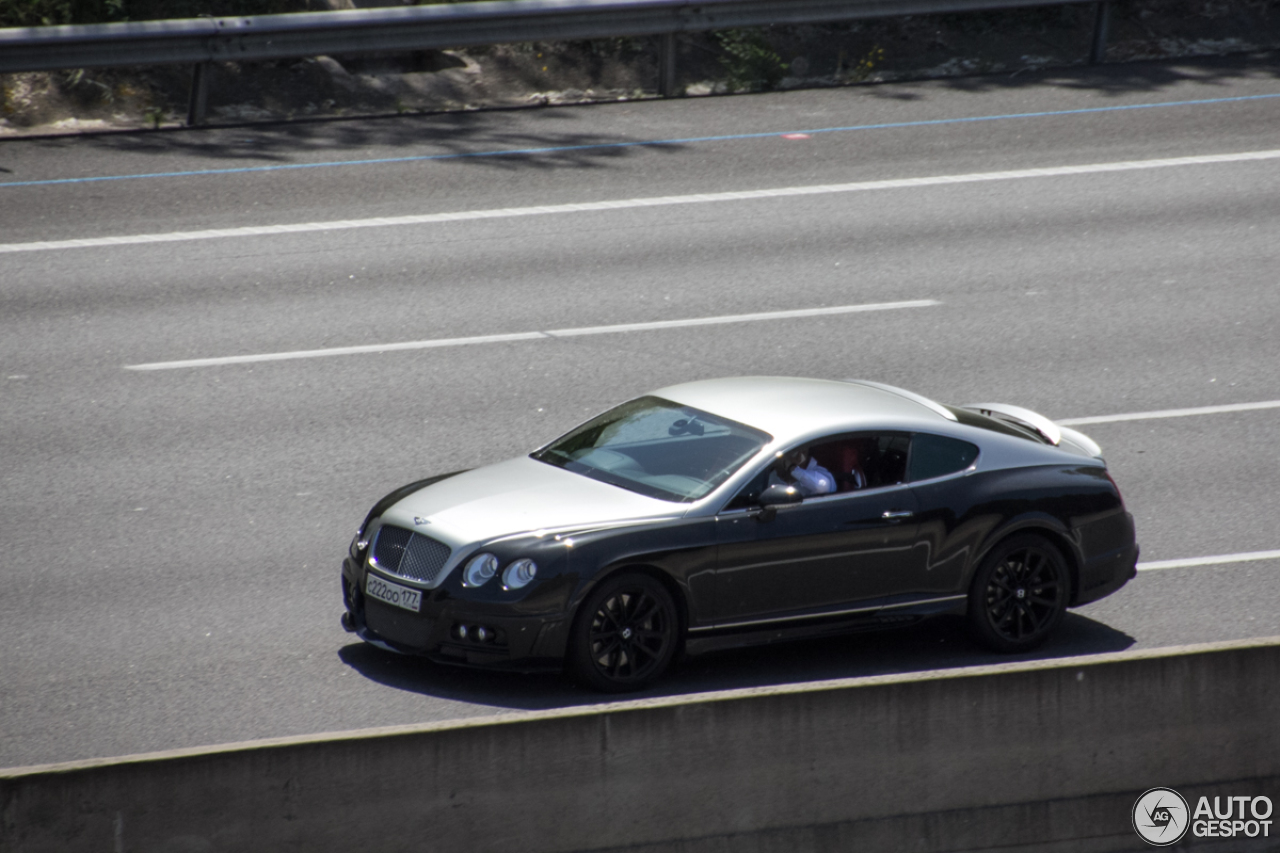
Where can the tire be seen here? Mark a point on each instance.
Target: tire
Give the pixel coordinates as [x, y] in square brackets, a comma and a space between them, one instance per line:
[625, 635]
[1019, 594]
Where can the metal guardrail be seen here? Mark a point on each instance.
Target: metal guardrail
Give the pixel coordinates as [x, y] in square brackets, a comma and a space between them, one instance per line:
[198, 41]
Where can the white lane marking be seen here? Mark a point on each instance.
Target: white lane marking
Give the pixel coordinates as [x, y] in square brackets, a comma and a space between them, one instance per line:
[659, 201]
[742, 318]
[1172, 413]
[1210, 561]
[530, 336]
[322, 353]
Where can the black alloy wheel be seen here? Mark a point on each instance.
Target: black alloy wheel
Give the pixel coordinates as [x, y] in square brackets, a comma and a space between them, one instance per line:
[1019, 594]
[625, 635]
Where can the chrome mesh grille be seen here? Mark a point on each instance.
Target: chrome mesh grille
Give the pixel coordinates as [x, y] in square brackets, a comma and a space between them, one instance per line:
[410, 555]
[424, 558]
[388, 548]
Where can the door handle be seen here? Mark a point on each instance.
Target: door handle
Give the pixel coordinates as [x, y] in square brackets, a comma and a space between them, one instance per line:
[894, 514]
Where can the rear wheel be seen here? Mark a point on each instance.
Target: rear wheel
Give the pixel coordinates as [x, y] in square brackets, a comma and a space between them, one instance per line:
[1019, 594]
[625, 634]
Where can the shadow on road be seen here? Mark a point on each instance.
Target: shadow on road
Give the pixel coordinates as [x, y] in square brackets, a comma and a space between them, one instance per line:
[501, 139]
[536, 137]
[1125, 78]
[935, 645]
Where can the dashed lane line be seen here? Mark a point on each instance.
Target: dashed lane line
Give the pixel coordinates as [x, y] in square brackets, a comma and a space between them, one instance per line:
[1248, 557]
[1172, 413]
[534, 336]
[635, 203]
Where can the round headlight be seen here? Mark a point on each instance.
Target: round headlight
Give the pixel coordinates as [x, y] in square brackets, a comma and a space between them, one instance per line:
[479, 569]
[519, 573]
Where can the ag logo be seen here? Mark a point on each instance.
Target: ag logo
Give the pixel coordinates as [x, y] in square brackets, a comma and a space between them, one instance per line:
[1161, 817]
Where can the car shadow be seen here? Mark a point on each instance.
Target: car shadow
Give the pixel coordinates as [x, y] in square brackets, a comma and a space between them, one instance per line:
[939, 644]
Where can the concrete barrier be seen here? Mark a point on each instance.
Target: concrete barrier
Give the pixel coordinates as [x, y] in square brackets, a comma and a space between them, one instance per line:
[1044, 756]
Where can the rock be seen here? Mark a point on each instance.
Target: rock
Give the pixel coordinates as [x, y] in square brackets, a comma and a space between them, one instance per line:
[243, 112]
[80, 124]
[338, 75]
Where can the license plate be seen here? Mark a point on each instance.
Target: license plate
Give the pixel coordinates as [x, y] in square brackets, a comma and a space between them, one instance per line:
[392, 593]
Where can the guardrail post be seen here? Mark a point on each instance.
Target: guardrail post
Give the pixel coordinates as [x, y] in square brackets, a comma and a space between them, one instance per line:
[1101, 24]
[667, 65]
[198, 103]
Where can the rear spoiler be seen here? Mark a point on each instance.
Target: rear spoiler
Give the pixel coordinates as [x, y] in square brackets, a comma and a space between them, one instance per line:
[1034, 421]
[1058, 436]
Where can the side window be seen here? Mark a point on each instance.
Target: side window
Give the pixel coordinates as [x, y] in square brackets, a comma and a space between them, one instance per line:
[889, 465]
[936, 456]
[863, 460]
[855, 461]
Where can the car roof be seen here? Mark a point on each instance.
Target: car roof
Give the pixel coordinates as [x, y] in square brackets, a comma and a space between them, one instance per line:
[787, 407]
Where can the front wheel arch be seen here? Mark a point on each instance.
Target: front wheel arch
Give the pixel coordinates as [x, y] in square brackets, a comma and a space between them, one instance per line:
[673, 589]
[603, 652]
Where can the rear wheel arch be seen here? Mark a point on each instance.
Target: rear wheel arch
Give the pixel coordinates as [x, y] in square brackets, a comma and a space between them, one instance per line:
[1057, 538]
[1068, 551]
[1019, 592]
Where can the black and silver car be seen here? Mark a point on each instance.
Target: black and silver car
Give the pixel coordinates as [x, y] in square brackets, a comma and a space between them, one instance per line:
[739, 511]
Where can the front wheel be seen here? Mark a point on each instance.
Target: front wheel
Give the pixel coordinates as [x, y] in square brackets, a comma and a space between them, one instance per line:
[625, 635]
[1019, 594]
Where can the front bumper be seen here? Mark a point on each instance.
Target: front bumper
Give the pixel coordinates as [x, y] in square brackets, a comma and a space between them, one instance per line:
[510, 641]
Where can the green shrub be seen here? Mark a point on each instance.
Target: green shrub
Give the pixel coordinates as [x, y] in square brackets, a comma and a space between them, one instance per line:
[749, 60]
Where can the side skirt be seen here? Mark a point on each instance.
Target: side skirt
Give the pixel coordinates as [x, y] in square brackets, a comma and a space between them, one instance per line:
[784, 630]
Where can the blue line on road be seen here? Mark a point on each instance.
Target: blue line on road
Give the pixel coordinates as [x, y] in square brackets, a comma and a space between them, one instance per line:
[515, 152]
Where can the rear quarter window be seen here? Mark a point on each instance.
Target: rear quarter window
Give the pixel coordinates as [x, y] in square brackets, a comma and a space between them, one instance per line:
[937, 455]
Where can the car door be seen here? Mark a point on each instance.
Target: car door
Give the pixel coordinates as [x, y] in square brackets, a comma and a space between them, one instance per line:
[828, 553]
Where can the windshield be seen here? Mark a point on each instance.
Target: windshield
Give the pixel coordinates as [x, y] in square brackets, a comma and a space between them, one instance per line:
[657, 448]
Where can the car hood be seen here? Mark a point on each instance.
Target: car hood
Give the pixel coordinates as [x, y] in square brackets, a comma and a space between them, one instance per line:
[517, 496]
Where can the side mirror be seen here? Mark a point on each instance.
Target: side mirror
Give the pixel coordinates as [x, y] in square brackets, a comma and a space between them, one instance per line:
[775, 496]
[780, 495]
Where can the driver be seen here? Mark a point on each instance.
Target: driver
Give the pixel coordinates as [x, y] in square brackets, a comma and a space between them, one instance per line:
[801, 470]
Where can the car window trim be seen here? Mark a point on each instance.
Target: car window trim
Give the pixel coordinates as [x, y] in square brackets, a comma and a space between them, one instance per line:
[963, 472]
[833, 496]
[836, 436]
[830, 497]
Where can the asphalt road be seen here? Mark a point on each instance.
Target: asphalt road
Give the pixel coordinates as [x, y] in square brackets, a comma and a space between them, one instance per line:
[172, 537]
